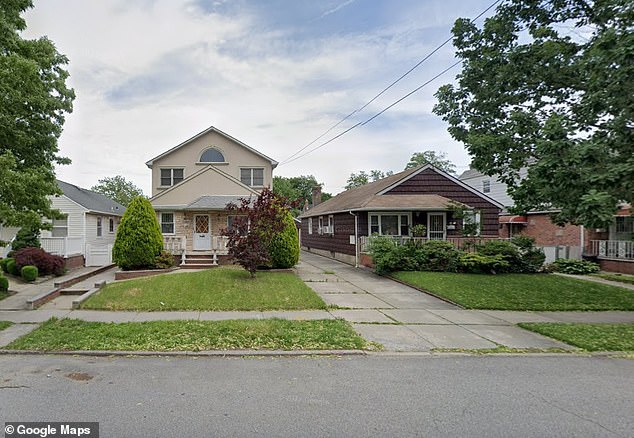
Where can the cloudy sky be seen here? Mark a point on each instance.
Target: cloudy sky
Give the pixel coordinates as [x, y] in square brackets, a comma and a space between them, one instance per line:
[275, 74]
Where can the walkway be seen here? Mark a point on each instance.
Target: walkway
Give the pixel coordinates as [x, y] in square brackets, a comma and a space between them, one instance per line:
[404, 319]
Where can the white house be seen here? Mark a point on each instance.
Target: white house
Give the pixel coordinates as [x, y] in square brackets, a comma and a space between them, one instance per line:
[88, 228]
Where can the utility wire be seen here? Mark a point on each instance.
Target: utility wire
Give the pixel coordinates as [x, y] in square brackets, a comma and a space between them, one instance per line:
[375, 115]
[418, 64]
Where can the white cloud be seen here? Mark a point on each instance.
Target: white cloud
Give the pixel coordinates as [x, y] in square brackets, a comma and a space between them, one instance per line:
[149, 74]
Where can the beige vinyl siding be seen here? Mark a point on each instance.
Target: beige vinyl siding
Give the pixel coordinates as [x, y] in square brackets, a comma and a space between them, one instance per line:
[188, 156]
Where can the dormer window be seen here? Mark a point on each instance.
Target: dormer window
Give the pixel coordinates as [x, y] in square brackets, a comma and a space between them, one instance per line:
[212, 155]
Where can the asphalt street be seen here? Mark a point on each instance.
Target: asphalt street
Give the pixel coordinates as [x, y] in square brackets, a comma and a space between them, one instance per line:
[447, 396]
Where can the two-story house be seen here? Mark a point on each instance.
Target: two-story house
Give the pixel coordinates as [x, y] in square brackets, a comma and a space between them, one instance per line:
[193, 182]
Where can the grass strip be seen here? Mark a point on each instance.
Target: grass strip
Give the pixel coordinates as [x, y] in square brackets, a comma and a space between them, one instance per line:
[213, 289]
[590, 337]
[5, 324]
[267, 334]
[621, 278]
[521, 291]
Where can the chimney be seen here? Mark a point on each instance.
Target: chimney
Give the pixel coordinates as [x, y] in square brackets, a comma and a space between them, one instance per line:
[316, 195]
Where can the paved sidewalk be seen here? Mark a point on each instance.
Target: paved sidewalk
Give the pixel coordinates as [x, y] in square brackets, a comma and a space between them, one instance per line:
[25, 291]
[381, 310]
[404, 319]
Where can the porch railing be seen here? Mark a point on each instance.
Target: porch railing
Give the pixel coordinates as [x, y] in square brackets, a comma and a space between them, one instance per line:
[465, 243]
[63, 246]
[612, 249]
[175, 244]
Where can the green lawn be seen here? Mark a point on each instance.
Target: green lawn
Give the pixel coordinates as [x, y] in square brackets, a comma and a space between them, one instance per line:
[3, 295]
[213, 289]
[5, 324]
[621, 278]
[521, 291]
[265, 334]
[590, 337]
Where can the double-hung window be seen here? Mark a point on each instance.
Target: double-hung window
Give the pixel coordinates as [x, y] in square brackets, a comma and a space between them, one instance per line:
[167, 223]
[252, 176]
[111, 225]
[331, 225]
[99, 226]
[320, 225]
[486, 186]
[310, 225]
[60, 227]
[170, 177]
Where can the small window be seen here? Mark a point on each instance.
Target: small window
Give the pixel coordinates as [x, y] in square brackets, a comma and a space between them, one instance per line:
[253, 177]
[167, 223]
[60, 227]
[331, 224]
[111, 225]
[170, 177]
[486, 186]
[310, 225]
[320, 225]
[231, 219]
[212, 155]
[624, 224]
[99, 226]
[374, 224]
[404, 225]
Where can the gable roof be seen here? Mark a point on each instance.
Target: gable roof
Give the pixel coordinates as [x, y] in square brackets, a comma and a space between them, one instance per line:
[373, 196]
[92, 201]
[208, 168]
[150, 162]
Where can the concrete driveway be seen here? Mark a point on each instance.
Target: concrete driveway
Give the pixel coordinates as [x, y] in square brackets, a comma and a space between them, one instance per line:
[404, 319]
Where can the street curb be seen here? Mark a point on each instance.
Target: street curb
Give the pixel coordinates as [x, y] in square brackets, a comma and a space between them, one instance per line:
[207, 353]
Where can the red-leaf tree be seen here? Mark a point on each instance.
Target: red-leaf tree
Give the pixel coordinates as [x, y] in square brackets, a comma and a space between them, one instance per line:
[256, 222]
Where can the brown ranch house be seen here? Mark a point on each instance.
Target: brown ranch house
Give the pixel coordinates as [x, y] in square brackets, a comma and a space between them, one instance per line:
[339, 227]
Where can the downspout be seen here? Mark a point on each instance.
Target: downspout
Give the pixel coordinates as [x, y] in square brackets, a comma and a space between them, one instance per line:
[356, 239]
[582, 241]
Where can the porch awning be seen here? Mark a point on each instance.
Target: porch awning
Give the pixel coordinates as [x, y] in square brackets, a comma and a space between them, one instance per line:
[514, 220]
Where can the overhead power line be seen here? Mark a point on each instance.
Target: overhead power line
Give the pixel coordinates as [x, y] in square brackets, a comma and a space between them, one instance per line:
[365, 105]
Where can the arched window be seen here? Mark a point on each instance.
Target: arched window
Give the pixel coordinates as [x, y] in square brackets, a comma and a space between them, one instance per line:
[212, 155]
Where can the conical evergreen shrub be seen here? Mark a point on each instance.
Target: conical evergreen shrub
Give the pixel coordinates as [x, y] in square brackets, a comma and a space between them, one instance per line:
[139, 239]
[284, 246]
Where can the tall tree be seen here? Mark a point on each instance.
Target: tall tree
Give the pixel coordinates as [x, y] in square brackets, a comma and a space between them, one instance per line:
[118, 189]
[363, 177]
[297, 189]
[34, 100]
[436, 159]
[549, 85]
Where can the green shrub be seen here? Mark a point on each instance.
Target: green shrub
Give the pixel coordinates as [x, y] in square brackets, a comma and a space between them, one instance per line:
[4, 283]
[3, 264]
[519, 253]
[576, 267]
[284, 245]
[26, 237]
[164, 260]
[139, 239]
[12, 268]
[384, 252]
[29, 272]
[483, 264]
[439, 255]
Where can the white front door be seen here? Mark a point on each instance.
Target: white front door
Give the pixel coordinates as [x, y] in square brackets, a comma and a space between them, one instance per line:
[202, 232]
[436, 228]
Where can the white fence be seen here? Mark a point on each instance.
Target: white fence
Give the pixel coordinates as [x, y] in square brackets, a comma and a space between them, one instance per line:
[613, 249]
[63, 246]
[465, 243]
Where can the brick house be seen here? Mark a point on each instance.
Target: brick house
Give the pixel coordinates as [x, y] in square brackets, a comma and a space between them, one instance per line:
[568, 241]
[392, 206]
